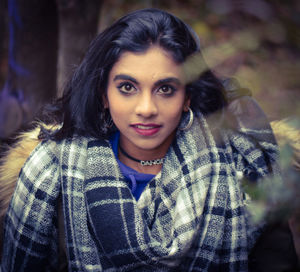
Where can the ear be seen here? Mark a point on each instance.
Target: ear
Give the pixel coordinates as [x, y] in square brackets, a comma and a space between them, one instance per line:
[105, 101]
[187, 103]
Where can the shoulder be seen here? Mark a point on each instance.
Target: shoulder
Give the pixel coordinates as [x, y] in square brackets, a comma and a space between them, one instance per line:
[26, 152]
[12, 162]
[28, 145]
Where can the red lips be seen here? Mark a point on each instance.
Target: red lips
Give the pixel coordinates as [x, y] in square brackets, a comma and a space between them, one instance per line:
[146, 129]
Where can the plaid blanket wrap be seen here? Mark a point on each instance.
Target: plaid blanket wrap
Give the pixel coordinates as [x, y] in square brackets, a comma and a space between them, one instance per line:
[191, 216]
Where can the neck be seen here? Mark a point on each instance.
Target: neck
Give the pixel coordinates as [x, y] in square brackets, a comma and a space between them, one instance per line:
[143, 154]
[153, 169]
[142, 162]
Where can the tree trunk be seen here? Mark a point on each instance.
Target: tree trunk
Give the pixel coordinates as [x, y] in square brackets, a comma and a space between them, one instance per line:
[47, 40]
[36, 51]
[32, 54]
[78, 22]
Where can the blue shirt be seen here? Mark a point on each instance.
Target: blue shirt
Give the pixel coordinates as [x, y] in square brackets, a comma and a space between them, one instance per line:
[137, 181]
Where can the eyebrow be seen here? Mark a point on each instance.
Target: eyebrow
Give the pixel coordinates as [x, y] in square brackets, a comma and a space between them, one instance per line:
[125, 77]
[157, 83]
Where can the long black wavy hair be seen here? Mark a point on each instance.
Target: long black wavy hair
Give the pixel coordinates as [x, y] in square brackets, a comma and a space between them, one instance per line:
[81, 109]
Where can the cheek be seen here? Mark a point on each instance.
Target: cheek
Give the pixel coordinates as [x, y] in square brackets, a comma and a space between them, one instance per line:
[117, 111]
[113, 102]
[172, 116]
[173, 110]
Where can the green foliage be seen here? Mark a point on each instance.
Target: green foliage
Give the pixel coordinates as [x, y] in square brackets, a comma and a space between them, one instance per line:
[276, 198]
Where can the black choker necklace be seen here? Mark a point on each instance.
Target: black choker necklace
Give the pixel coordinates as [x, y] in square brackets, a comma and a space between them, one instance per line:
[143, 163]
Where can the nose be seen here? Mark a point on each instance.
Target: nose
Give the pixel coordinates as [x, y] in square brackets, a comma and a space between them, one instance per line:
[146, 105]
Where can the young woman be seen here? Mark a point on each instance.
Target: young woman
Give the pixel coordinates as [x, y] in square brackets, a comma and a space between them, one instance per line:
[141, 167]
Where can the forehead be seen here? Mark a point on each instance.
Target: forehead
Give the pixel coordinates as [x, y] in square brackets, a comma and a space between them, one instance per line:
[155, 63]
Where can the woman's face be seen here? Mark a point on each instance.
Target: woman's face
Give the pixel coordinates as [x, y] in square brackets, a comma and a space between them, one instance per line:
[146, 97]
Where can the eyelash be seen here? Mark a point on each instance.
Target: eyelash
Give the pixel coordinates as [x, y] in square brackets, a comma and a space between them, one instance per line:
[123, 84]
[171, 89]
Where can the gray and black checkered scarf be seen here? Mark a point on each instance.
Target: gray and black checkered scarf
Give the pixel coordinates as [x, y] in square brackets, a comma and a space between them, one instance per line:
[191, 217]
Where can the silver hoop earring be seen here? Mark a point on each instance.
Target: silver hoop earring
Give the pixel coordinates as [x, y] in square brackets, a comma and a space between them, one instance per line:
[190, 122]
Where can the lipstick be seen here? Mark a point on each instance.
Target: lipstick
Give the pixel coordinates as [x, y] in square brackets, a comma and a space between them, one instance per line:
[146, 129]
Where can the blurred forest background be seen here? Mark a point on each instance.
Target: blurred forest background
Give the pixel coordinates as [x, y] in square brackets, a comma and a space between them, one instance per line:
[41, 42]
[255, 41]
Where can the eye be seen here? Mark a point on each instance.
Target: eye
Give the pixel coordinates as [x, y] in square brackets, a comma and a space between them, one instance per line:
[166, 90]
[126, 88]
